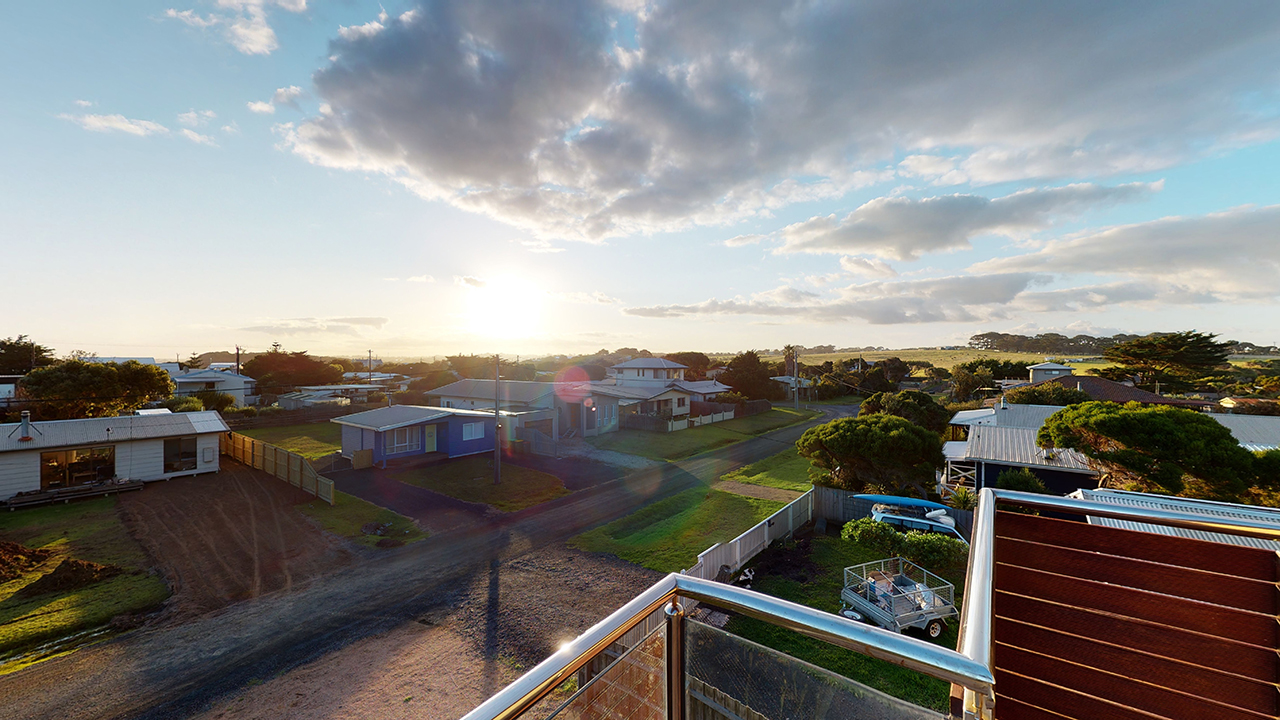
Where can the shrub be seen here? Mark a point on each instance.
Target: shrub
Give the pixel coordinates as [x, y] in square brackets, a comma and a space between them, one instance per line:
[874, 534]
[272, 410]
[213, 400]
[1020, 479]
[962, 498]
[184, 403]
[934, 552]
[248, 411]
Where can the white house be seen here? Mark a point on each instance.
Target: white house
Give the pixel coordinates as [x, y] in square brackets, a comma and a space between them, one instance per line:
[1049, 371]
[64, 453]
[302, 399]
[240, 387]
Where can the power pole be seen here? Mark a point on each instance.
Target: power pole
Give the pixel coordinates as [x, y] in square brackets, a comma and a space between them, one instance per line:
[237, 359]
[497, 420]
[370, 367]
[795, 374]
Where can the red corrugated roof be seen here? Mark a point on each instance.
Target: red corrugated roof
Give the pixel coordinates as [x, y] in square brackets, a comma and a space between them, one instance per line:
[1111, 391]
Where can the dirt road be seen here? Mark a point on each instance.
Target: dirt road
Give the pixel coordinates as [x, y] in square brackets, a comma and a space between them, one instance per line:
[177, 671]
[228, 539]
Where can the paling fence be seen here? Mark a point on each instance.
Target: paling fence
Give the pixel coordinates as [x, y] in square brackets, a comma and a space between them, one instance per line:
[288, 466]
[738, 551]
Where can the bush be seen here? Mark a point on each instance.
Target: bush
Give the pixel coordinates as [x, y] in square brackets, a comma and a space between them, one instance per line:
[1020, 479]
[184, 403]
[272, 410]
[377, 397]
[248, 411]
[213, 400]
[962, 498]
[879, 536]
[934, 552]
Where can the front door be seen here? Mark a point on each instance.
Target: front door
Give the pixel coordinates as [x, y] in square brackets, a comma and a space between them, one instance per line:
[429, 441]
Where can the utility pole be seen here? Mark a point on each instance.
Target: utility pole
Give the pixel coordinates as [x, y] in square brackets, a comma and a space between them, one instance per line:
[497, 420]
[237, 359]
[369, 367]
[795, 374]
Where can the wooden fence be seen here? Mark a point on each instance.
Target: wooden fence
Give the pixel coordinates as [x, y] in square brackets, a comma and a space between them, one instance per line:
[288, 466]
[540, 443]
[738, 551]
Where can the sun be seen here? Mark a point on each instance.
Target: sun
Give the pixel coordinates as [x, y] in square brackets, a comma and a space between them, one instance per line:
[502, 307]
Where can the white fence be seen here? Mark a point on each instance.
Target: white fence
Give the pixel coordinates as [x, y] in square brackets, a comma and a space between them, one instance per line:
[708, 419]
[738, 551]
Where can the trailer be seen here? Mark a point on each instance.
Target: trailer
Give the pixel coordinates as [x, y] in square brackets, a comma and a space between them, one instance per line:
[896, 594]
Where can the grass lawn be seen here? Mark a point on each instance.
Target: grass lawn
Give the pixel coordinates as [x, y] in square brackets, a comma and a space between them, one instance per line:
[310, 440]
[471, 479]
[668, 535]
[91, 531]
[787, 471]
[349, 514]
[683, 443]
[831, 555]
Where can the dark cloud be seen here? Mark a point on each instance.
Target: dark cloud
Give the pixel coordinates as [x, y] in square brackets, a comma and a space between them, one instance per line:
[546, 115]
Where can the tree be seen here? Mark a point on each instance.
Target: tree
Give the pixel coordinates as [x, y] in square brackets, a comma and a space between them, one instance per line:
[1022, 480]
[1174, 359]
[937, 374]
[214, 400]
[1154, 448]
[876, 452]
[750, 376]
[697, 362]
[192, 363]
[78, 389]
[895, 371]
[965, 383]
[1049, 393]
[20, 355]
[183, 403]
[912, 405]
[278, 371]
[998, 369]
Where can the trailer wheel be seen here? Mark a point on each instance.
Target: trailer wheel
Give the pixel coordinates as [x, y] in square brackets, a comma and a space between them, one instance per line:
[934, 628]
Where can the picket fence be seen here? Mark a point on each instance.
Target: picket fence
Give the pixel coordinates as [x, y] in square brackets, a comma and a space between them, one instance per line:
[738, 551]
[288, 466]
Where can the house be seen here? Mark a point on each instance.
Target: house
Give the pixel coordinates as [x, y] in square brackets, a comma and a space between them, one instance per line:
[389, 382]
[792, 383]
[1049, 371]
[357, 392]
[549, 407]
[64, 453]
[1098, 388]
[1230, 404]
[1255, 433]
[240, 387]
[401, 432]
[302, 399]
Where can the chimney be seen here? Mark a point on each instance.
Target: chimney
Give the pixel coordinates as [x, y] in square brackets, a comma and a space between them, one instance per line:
[1004, 404]
[25, 435]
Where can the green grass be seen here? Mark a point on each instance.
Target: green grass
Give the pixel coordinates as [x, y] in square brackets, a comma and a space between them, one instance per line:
[683, 443]
[832, 555]
[787, 470]
[471, 479]
[349, 514]
[92, 531]
[668, 535]
[310, 440]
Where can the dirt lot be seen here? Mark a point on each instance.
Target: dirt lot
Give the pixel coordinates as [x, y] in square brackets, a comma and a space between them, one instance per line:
[220, 539]
[445, 664]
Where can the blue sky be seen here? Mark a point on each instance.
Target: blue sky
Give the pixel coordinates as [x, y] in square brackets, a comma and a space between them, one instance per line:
[430, 178]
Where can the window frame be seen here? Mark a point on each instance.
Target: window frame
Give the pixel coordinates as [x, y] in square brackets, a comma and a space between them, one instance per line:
[472, 431]
[404, 439]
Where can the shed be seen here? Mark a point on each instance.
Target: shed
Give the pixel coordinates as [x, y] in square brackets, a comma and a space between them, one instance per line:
[65, 453]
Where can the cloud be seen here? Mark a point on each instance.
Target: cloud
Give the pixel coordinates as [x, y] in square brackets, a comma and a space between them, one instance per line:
[420, 279]
[1227, 255]
[193, 118]
[549, 117]
[231, 128]
[244, 23]
[904, 229]
[540, 246]
[740, 240]
[84, 103]
[351, 326]
[287, 96]
[468, 281]
[116, 123]
[867, 266]
[197, 138]
[190, 17]
[262, 108]
[369, 29]
[586, 298]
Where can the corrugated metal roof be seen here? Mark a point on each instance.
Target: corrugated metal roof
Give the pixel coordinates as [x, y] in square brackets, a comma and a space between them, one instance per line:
[1049, 366]
[520, 391]
[1186, 505]
[1261, 431]
[1021, 416]
[650, 363]
[1017, 446]
[955, 450]
[701, 387]
[91, 431]
[389, 418]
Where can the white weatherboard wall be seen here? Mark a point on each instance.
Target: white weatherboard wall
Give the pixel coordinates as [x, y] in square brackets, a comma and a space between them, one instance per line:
[136, 460]
[19, 472]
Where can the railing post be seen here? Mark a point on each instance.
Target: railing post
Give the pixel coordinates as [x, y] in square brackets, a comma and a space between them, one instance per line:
[675, 661]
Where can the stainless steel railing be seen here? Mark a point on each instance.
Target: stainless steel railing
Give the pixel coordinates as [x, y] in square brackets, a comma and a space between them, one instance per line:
[892, 647]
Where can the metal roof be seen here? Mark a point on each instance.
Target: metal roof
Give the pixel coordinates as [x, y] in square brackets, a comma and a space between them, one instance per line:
[520, 391]
[1187, 505]
[390, 418]
[701, 387]
[1255, 432]
[650, 363]
[210, 375]
[1050, 366]
[91, 431]
[1017, 446]
[1021, 416]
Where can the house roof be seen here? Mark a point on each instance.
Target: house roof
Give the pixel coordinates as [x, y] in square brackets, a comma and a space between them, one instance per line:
[210, 375]
[396, 416]
[701, 387]
[1109, 390]
[1017, 446]
[1050, 366]
[1254, 432]
[650, 363]
[1023, 416]
[519, 391]
[790, 381]
[1228, 511]
[90, 431]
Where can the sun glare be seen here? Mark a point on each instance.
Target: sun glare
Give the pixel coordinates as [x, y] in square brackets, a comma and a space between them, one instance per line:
[503, 307]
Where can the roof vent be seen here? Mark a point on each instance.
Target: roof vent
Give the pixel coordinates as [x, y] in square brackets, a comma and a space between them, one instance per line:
[25, 435]
[1004, 404]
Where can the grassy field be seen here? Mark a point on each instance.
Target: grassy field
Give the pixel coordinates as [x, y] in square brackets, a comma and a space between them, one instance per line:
[831, 555]
[683, 443]
[787, 471]
[668, 535]
[310, 440]
[90, 531]
[471, 479]
[349, 514]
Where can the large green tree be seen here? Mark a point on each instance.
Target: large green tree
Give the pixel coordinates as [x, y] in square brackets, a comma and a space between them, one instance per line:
[882, 453]
[20, 355]
[697, 362]
[1176, 360]
[1049, 393]
[278, 371]
[749, 376]
[78, 389]
[917, 407]
[1154, 448]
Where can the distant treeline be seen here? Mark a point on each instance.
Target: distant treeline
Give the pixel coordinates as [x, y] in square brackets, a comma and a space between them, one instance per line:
[1057, 344]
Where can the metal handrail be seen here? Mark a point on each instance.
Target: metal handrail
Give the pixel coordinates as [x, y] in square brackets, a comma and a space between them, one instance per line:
[976, 625]
[892, 647]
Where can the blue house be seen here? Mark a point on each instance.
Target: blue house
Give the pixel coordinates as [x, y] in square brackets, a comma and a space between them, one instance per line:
[406, 431]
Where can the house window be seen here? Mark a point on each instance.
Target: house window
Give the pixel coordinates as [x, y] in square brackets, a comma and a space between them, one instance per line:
[472, 431]
[679, 402]
[403, 440]
[179, 454]
[63, 468]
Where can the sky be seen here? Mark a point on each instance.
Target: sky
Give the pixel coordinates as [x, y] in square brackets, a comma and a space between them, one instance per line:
[429, 178]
